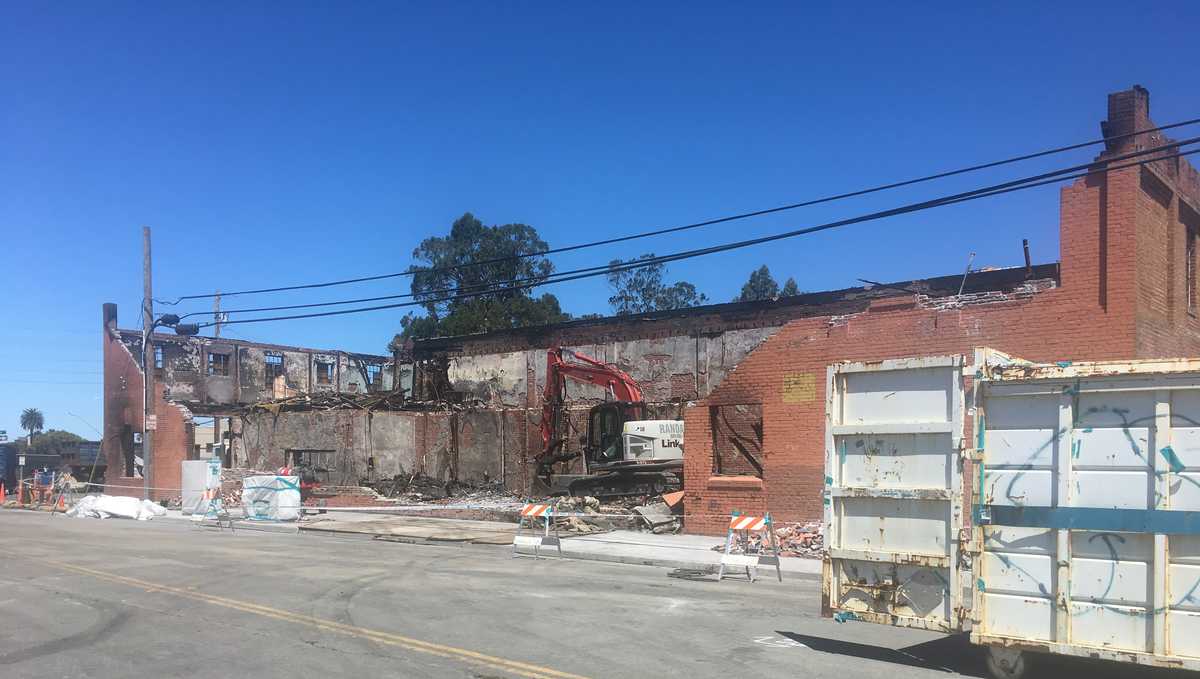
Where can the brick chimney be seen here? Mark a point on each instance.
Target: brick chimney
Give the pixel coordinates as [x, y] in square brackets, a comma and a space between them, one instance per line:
[1129, 111]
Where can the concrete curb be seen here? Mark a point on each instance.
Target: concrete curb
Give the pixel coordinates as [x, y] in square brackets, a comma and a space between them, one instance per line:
[661, 562]
[267, 526]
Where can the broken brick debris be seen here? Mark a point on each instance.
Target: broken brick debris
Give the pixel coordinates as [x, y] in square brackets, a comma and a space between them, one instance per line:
[794, 539]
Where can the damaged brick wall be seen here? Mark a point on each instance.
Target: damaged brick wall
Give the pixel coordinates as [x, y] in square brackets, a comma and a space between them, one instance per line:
[668, 368]
[204, 376]
[1111, 305]
[205, 372]
[123, 417]
[475, 447]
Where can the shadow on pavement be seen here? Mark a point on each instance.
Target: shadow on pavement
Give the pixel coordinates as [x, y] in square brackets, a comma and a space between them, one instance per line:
[953, 654]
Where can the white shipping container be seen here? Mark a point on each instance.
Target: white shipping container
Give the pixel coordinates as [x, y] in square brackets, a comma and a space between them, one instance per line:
[1067, 523]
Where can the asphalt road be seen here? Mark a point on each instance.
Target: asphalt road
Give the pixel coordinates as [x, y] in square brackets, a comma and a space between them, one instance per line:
[89, 598]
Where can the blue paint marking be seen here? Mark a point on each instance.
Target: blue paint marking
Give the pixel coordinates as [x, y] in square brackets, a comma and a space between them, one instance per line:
[1063, 364]
[1172, 459]
[979, 442]
[1167, 522]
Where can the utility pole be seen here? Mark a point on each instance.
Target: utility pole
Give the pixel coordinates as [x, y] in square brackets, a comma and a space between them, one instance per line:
[149, 412]
[217, 315]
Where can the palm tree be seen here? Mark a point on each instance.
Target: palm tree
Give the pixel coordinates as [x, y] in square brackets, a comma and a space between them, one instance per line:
[32, 420]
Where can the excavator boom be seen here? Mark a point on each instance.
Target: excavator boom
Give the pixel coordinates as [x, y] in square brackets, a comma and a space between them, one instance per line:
[587, 370]
[611, 469]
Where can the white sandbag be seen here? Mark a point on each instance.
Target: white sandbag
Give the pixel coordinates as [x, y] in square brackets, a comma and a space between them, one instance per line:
[271, 498]
[107, 506]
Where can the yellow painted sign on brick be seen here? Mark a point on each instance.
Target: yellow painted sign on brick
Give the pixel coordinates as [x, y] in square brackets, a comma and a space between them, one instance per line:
[799, 387]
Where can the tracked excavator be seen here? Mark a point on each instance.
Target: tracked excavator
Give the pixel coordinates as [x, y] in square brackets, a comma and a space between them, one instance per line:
[623, 453]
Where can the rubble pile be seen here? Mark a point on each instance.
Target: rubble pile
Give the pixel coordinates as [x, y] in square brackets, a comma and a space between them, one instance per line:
[585, 515]
[590, 515]
[422, 489]
[800, 540]
[794, 539]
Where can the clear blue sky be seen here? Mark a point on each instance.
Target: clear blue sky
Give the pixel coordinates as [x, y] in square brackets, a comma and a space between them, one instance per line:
[283, 143]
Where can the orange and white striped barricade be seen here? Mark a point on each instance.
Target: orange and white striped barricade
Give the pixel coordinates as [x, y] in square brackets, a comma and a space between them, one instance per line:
[212, 507]
[740, 527]
[531, 513]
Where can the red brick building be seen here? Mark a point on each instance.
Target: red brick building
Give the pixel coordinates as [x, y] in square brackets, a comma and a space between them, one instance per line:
[1127, 289]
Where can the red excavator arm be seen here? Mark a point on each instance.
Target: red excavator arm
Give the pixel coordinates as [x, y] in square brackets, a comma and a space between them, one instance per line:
[587, 370]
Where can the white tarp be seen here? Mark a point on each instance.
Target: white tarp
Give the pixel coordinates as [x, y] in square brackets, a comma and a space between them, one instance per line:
[106, 506]
[271, 498]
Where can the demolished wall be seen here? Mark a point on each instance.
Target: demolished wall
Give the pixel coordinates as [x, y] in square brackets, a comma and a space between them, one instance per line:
[207, 373]
[473, 447]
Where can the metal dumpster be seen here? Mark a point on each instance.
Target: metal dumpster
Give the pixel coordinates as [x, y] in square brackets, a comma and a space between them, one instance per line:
[1066, 523]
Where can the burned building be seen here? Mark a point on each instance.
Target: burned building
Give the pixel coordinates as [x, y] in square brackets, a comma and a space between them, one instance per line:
[208, 377]
[749, 378]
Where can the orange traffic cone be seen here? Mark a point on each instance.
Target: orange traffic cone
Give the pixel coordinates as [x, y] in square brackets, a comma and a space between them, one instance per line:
[2, 496]
[62, 504]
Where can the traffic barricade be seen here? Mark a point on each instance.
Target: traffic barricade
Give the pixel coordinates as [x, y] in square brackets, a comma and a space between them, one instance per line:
[531, 513]
[767, 554]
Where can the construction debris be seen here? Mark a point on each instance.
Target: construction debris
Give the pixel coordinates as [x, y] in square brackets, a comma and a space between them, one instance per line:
[332, 400]
[794, 539]
[419, 488]
[659, 518]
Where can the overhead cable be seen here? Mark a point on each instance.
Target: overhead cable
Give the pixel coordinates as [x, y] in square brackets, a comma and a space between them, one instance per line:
[695, 225]
[998, 189]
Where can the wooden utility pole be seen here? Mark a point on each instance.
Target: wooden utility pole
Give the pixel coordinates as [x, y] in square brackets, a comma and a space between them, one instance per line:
[217, 315]
[149, 412]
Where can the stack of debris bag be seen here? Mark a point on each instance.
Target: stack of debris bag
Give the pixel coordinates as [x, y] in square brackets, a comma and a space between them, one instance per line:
[232, 480]
[271, 498]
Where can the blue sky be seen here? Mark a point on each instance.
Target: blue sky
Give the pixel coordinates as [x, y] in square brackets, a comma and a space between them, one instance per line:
[271, 144]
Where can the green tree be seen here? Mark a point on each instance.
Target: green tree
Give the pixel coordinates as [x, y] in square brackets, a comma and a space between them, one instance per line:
[760, 286]
[32, 420]
[453, 266]
[52, 442]
[790, 289]
[641, 289]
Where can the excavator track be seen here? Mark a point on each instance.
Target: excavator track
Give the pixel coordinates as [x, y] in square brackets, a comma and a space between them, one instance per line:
[625, 484]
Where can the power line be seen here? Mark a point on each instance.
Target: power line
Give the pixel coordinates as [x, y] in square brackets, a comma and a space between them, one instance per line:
[491, 287]
[649, 261]
[995, 190]
[696, 225]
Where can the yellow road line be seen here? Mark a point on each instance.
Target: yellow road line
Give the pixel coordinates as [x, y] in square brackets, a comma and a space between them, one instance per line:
[511, 666]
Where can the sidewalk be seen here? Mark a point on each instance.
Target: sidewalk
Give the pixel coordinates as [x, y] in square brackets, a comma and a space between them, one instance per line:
[670, 551]
[240, 523]
[619, 546]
